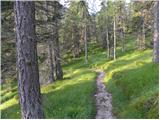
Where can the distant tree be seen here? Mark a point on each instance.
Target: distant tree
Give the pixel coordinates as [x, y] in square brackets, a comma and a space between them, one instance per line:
[56, 17]
[28, 73]
[75, 27]
[156, 33]
[85, 17]
[50, 42]
[121, 20]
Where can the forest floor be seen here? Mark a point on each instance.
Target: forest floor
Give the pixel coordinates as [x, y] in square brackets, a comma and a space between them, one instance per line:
[103, 99]
[132, 79]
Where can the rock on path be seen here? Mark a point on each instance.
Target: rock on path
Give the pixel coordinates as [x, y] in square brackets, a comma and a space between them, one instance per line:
[103, 100]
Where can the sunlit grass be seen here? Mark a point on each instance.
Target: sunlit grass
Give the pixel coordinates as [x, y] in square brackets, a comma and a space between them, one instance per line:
[132, 79]
[8, 104]
[72, 97]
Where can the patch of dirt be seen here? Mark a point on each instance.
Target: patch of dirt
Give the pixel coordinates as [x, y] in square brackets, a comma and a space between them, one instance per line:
[103, 100]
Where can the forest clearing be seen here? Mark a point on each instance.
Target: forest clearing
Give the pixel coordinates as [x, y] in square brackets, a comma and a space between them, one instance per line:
[80, 59]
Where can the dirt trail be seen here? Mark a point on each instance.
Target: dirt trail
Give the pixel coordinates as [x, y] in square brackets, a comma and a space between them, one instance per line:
[103, 100]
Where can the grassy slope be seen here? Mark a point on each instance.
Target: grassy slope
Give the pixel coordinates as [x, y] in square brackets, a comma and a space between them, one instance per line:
[132, 79]
[68, 98]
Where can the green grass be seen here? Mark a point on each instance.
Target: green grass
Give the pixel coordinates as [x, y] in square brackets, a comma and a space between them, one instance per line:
[132, 79]
[72, 97]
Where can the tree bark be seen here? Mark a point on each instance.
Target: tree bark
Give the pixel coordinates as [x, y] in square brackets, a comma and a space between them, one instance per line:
[27, 64]
[156, 33]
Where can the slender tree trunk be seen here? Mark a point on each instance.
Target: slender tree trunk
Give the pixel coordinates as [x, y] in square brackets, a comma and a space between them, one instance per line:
[76, 43]
[85, 43]
[28, 73]
[51, 76]
[143, 34]
[114, 47]
[59, 72]
[108, 43]
[123, 39]
[156, 33]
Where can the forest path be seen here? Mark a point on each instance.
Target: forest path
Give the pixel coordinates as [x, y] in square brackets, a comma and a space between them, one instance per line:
[103, 99]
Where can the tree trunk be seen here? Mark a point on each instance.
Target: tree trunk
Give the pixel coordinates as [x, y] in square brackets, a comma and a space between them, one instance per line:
[27, 64]
[56, 16]
[114, 47]
[143, 35]
[51, 75]
[156, 33]
[59, 72]
[85, 44]
[122, 39]
[108, 43]
[76, 43]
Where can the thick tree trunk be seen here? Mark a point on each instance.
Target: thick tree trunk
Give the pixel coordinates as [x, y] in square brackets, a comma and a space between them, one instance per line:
[28, 76]
[156, 33]
[51, 75]
[114, 47]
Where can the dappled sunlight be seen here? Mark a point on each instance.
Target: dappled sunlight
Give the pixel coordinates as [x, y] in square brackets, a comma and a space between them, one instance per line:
[123, 63]
[132, 87]
[8, 103]
[64, 83]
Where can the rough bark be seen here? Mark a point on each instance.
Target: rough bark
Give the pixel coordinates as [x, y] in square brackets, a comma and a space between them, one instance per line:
[156, 33]
[28, 76]
[51, 75]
